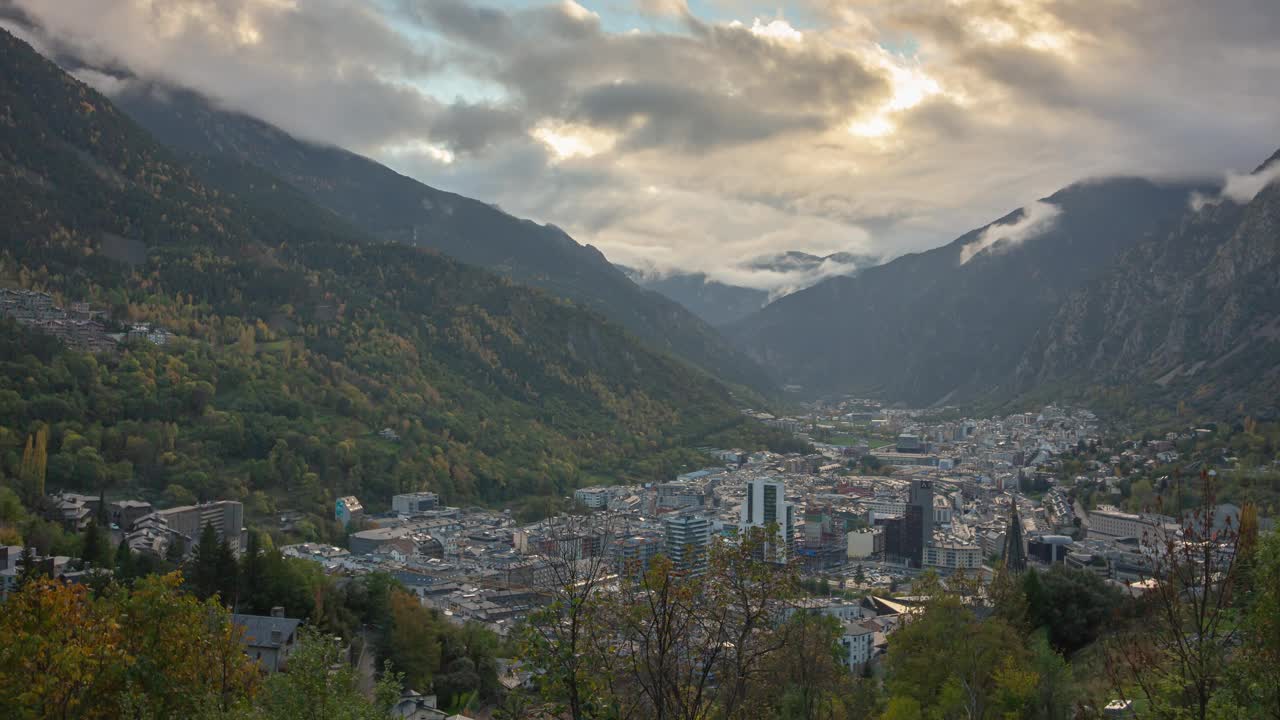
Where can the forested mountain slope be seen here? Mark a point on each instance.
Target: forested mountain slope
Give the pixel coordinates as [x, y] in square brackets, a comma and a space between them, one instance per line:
[391, 206]
[297, 339]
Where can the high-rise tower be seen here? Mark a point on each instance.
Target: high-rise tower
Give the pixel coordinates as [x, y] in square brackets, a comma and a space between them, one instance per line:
[766, 505]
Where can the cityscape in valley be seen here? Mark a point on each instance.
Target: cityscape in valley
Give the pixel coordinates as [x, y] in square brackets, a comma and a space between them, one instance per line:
[287, 432]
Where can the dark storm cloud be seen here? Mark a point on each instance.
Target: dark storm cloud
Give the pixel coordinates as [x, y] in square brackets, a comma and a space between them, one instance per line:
[653, 115]
[471, 128]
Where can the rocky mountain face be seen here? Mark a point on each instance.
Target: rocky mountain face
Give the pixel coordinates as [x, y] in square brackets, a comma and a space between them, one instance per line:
[393, 207]
[720, 302]
[1192, 314]
[955, 323]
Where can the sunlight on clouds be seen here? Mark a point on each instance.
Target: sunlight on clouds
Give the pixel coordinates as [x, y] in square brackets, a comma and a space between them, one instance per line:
[246, 33]
[567, 141]
[577, 12]
[1031, 25]
[993, 30]
[778, 29]
[873, 127]
[909, 86]
[435, 152]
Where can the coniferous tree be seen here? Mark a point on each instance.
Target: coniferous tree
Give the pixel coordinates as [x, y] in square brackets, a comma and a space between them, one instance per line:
[203, 571]
[176, 551]
[124, 561]
[96, 549]
[227, 574]
[28, 567]
[251, 575]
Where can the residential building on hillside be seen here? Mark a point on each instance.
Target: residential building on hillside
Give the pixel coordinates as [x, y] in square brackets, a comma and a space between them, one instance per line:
[226, 517]
[348, 510]
[269, 639]
[414, 503]
[592, 497]
[856, 643]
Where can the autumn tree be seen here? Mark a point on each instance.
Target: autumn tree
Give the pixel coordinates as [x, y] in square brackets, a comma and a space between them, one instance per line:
[63, 654]
[567, 636]
[1176, 658]
[150, 652]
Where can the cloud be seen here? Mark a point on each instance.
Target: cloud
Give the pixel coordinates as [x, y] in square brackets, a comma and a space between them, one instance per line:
[336, 72]
[1033, 220]
[104, 83]
[675, 8]
[778, 275]
[658, 115]
[1239, 188]
[690, 137]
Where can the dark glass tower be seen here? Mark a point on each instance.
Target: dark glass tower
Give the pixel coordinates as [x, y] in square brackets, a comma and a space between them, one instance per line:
[1015, 546]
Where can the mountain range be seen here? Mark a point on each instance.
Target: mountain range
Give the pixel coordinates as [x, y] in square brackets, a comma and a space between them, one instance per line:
[1126, 288]
[745, 288]
[298, 337]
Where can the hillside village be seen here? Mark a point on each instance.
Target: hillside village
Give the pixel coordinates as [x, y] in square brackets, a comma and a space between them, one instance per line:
[78, 325]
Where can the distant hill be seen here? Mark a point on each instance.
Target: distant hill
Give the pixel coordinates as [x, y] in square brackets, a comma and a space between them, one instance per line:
[955, 323]
[297, 338]
[390, 206]
[772, 276]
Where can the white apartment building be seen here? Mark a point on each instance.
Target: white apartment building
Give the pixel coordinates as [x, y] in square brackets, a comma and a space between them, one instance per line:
[766, 505]
[594, 498]
[953, 557]
[856, 644]
[1109, 521]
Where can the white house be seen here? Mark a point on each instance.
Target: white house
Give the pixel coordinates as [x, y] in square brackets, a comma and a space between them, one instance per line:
[856, 643]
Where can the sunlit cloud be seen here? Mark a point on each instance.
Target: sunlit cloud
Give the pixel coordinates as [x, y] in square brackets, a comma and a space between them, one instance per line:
[909, 86]
[567, 141]
[434, 151]
[779, 30]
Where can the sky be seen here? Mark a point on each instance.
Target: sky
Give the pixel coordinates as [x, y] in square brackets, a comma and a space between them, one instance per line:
[696, 134]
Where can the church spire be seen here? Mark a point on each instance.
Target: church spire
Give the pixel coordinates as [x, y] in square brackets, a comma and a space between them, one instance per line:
[1015, 548]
